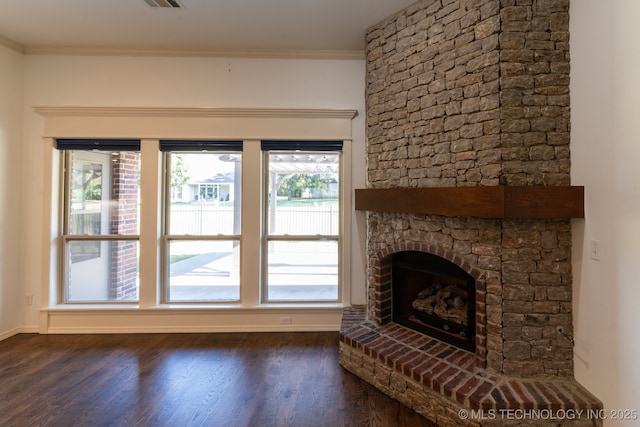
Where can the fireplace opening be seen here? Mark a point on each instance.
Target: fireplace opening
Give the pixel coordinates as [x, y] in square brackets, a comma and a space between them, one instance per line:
[434, 296]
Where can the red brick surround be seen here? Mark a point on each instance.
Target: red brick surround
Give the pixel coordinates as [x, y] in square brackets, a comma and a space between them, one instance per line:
[382, 301]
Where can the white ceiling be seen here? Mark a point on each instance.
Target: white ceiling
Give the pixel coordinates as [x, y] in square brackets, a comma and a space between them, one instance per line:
[200, 25]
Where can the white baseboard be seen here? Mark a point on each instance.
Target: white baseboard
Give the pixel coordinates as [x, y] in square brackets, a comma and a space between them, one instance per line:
[9, 334]
[16, 331]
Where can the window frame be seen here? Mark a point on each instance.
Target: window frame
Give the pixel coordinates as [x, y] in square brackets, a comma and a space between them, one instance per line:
[151, 124]
[299, 147]
[167, 148]
[67, 146]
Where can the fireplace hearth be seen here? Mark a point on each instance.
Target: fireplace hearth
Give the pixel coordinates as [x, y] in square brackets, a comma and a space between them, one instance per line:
[434, 296]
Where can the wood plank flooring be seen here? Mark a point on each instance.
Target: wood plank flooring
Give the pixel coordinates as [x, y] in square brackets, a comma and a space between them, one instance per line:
[184, 380]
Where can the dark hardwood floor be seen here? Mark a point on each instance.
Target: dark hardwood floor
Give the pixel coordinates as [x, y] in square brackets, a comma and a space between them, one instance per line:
[238, 379]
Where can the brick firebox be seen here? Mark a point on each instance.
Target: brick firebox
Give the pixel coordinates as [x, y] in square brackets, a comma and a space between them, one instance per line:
[382, 291]
[473, 93]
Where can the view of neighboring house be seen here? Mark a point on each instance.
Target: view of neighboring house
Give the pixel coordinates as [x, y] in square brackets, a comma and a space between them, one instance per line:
[218, 188]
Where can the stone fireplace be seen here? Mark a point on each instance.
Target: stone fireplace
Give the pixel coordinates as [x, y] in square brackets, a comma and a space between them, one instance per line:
[468, 170]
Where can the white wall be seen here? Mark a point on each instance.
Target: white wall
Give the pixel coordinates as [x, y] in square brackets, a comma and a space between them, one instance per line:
[183, 82]
[605, 151]
[11, 78]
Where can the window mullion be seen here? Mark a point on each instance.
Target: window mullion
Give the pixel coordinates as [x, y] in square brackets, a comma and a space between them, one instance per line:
[150, 206]
[251, 223]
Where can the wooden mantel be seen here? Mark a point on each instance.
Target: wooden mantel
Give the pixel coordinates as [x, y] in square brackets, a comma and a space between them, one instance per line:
[483, 202]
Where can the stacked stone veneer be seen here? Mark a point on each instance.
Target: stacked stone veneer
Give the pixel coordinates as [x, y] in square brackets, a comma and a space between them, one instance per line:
[476, 93]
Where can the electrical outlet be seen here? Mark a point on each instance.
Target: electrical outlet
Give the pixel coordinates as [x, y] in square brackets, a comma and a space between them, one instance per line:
[285, 320]
[28, 299]
[594, 250]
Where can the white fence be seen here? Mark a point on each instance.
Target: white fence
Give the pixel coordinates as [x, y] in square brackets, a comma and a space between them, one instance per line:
[204, 219]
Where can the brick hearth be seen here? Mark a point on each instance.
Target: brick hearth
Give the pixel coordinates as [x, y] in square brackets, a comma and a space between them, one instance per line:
[438, 380]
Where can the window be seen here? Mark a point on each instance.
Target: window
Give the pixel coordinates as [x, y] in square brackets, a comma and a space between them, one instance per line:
[203, 225]
[302, 225]
[101, 226]
[296, 225]
[115, 238]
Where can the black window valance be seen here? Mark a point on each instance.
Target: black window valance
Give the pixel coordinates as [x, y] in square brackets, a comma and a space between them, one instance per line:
[98, 144]
[271, 145]
[199, 145]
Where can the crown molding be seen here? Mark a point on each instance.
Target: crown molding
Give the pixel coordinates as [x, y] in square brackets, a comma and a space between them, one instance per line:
[194, 112]
[205, 53]
[12, 44]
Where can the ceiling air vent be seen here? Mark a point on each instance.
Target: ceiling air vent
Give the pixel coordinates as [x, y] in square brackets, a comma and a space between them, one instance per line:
[172, 4]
